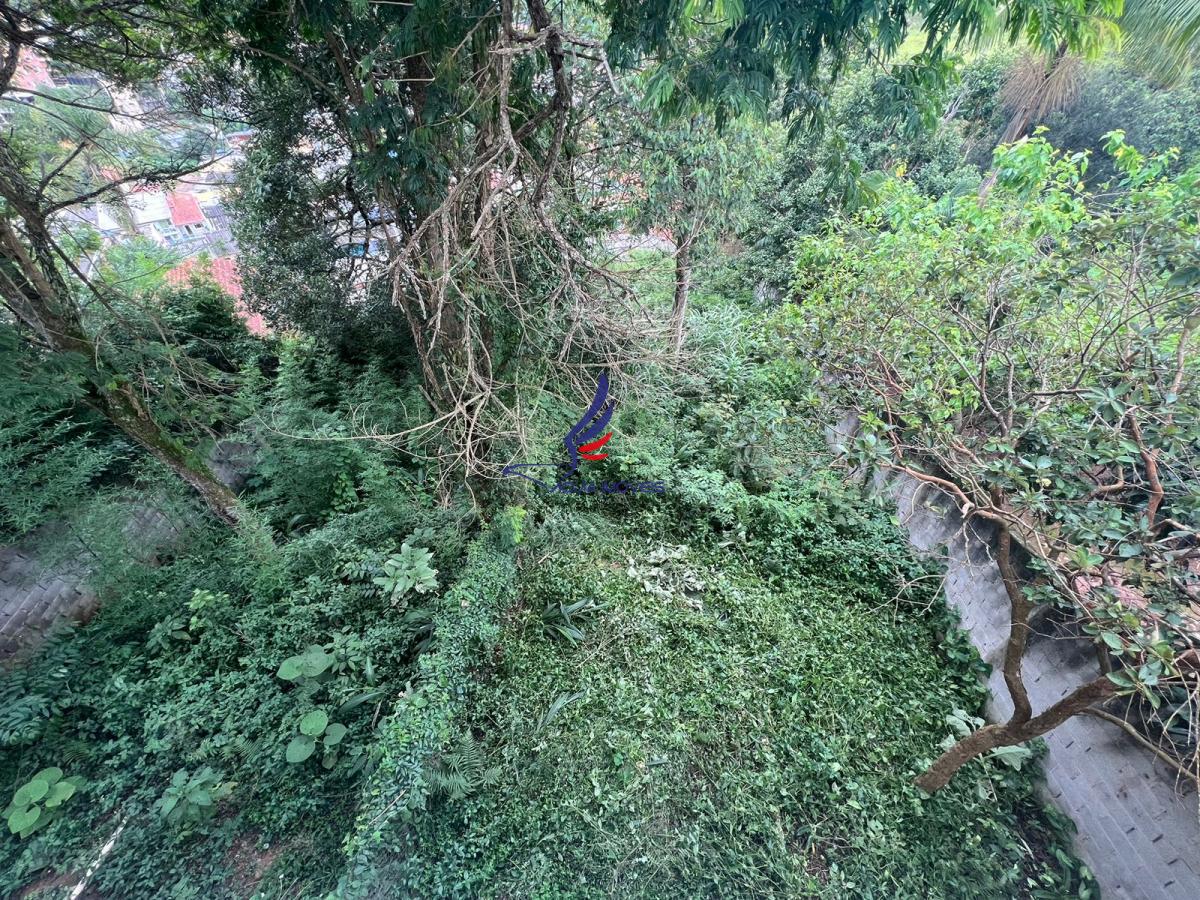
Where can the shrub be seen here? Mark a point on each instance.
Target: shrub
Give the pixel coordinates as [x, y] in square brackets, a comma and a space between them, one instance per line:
[1030, 357]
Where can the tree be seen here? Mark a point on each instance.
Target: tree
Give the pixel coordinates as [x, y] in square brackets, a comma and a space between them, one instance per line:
[695, 182]
[1030, 358]
[1162, 37]
[63, 153]
[736, 56]
[872, 130]
[131, 37]
[442, 136]
[446, 138]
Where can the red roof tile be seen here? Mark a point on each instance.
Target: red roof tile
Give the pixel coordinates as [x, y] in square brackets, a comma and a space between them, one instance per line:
[32, 72]
[185, 210]
[223, 270]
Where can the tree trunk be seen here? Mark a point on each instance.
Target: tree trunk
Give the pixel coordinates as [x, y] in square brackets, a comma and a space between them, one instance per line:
[685, 237]
[1022, 725]
[122, 407]
[38, 297]
[988, 738]
[683, 289]
[975, 744]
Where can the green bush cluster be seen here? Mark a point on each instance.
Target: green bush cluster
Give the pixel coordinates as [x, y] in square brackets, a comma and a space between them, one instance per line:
[201, 674]
[723, 690]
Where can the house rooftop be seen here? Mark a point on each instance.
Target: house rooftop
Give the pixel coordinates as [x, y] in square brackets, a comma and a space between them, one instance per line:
[185, 210]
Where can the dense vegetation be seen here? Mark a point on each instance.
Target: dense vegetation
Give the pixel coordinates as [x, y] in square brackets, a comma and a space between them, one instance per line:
[376, 665]
[638, 680]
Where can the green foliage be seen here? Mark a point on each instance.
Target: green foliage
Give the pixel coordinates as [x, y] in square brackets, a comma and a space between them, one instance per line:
[722, 690]
[1027, 361]
[694, 181]
[128, 715]
[315, 728]
[1114, 96]
[350, 656]
[736, 748]
[76, 313]
[33, 696]
[560, 619]
[299, 276]
[207, 325]
[866, 138]
[164, 636]
[739, 56]
[313, 663]
[139, 264]
[311, 464]
[192, 798]
[424, 723]
[39, 801]
[461, 770]
[409, 570]
[729, 680]
[664, 572]
[510, 526]
[51, 451]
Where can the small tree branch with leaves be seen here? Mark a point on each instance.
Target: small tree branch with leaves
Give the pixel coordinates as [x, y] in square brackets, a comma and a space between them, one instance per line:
[1028, 357]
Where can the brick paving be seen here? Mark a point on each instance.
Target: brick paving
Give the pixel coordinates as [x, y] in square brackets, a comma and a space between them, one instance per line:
[34, 595]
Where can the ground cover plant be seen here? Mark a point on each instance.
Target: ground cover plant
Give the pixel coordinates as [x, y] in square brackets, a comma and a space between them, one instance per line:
[589, 702]
[291, 292]
[718, 732]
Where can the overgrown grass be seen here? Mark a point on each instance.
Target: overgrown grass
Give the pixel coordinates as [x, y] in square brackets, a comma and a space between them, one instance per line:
[721, 691]
[740, 739]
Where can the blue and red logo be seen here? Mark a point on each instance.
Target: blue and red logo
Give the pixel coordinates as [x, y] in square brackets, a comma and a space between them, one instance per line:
[584, 441]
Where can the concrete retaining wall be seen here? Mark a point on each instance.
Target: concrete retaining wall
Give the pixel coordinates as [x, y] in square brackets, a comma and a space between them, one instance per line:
[1138, 828]
[43, 578]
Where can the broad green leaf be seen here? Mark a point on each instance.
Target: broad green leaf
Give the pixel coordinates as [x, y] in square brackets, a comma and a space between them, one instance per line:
[315, 661]
[289, 669]
[23, 819]
[60, 792]
[1120, 679]
[300, 748]
[314, 722]
[334, 734]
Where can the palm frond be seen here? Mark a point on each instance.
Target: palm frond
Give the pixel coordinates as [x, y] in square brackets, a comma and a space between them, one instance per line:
[1035, 88]
[1162, 37]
